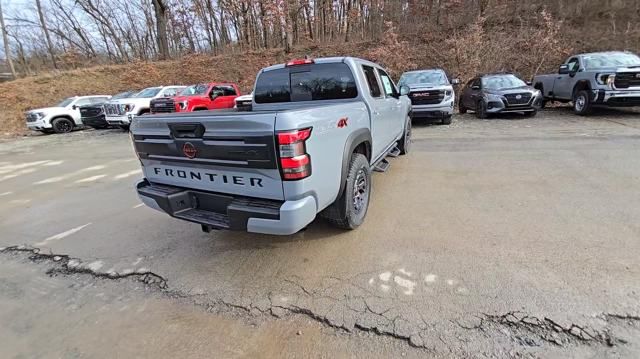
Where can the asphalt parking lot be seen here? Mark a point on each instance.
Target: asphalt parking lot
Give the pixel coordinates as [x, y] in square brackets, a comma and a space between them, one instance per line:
[506, 237]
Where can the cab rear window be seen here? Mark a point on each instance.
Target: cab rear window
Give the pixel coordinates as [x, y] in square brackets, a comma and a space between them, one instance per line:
[313, 82]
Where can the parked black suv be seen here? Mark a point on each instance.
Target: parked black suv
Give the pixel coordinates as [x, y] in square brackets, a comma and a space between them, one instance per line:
[93, 115]
[499, 93]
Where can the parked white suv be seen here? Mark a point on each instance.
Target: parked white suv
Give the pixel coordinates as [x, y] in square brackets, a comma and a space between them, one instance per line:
[63, 117]
[119, 112]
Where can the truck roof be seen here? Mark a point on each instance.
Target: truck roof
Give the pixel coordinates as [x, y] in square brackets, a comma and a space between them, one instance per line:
[422, 70]
[324, 60]
[603, 53]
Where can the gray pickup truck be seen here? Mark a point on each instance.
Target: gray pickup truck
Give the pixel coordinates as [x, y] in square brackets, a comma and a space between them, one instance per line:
[594, 79]
[316, 130]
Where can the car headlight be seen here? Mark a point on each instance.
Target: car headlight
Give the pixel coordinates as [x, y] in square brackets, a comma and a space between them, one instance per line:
[603, 79]
[536, 93]
[493, 97]
[448, 94]
[183, 104]
[129, 107]
[610, 80]
[40, 115]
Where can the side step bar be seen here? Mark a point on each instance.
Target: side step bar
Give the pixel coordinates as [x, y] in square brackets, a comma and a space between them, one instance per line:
[383, 165]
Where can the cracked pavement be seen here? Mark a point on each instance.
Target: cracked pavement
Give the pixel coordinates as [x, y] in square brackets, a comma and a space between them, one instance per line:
[499, 238]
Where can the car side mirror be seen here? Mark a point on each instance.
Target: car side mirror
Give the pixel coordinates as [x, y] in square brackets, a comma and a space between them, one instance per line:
[75, 107]
[563, 70]
[404, 90]
[455, 82]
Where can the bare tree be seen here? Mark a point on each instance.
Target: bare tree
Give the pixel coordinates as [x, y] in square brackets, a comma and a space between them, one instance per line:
[46, 33]
[5, 40]
[160, 8]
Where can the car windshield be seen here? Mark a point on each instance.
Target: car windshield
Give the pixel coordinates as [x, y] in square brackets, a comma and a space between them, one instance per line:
[597, 61]
[433, 78]
[194, 90]
[123, 95]
[499, 82]
[148, 92]
[66, 102]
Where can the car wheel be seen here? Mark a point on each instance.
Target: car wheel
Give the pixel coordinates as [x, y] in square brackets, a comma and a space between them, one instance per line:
[446, 120]
[404, 145]
[350, 209]
[461, 107]
[62, 125]
[582, 103]
[481, 109]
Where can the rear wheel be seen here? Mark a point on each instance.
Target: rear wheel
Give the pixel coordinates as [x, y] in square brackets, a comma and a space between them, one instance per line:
[350, 209]
[62, 125]
[582, 103]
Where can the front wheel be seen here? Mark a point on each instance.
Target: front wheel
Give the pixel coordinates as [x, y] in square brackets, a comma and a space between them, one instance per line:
[446, 120]
[481, 110]
[461, 108]
[404, 145]
[582, 103]
[62, 125]
[349, 210]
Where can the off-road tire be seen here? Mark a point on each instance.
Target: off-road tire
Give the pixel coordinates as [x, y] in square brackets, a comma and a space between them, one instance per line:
[342, 213]
[404, 145]
[481, 110]
[446, 120]
[62, 125]
[461, 107]
[582, 103]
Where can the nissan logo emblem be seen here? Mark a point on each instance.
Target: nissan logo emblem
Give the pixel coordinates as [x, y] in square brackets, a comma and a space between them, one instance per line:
[189, 150]
[518, 97]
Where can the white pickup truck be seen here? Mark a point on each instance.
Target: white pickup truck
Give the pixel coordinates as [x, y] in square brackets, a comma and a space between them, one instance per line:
[63, 117]
[316, 130]
[119, 112]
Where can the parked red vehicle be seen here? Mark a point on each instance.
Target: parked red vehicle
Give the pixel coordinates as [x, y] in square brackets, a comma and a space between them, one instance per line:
[211, 96]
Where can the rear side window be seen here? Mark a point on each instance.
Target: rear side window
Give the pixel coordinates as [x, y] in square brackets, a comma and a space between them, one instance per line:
[372, 81]
[314, 82]
[224, 90]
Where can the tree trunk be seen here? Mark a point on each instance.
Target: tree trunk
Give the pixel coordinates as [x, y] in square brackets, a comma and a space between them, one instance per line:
[46, 34]
[161, 28]
[5, 40]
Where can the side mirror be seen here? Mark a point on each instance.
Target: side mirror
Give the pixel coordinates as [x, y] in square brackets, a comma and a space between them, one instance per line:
[563, 69]
[404, 90]
[75, 107]
[455, 82]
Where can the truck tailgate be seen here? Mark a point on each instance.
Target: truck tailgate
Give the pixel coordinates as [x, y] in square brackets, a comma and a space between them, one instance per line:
[218, 151]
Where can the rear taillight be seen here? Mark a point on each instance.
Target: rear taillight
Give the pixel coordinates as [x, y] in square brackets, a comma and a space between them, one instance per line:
[295, 163]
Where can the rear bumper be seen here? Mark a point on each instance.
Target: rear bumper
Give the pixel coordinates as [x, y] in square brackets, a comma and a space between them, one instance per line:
[223, 211]
[617, 98]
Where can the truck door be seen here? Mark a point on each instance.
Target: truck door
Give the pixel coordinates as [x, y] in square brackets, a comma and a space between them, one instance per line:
[75, 109]
[563, 84]
[222, 96]
[377, 104]
[393, 116]
[472, 93]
